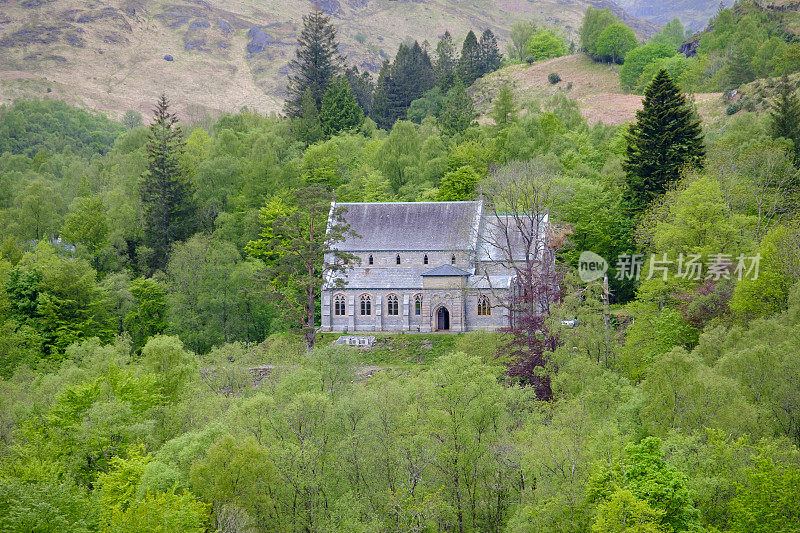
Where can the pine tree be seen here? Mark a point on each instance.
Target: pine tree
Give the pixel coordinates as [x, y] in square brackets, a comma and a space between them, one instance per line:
[166, 193]
[666, 138]
[446, 63]
[383, 104]
[785, 116]
[400, 83]
[469, 62]
[490, 57]
[362, 86]
[317, 62]
[458, 111]
[340, 111]
[308, 125]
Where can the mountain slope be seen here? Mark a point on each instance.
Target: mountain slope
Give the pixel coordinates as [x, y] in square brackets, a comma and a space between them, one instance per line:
[213, 56]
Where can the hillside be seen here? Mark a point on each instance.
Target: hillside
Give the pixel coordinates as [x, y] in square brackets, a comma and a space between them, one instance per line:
[595, 86]
[694, 15]
[213, 56]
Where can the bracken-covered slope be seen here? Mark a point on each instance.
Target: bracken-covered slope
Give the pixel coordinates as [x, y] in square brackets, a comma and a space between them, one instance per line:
[215, 56]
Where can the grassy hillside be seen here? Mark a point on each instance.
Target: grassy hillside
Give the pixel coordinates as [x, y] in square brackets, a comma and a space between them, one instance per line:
[595, 86]
[114, 55]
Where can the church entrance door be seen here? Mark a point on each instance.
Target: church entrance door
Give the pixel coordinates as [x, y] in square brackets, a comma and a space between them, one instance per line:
[443, 319]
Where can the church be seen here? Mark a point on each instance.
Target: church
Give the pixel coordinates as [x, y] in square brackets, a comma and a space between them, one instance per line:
[424, 266]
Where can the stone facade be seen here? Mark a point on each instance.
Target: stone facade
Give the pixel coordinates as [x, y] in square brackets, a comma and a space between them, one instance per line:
[420, 271]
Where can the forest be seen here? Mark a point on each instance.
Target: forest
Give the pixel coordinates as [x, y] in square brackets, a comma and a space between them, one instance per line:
[159, 370]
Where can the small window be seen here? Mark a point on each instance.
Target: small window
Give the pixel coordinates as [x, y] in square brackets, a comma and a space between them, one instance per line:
[369, 260]
[366, 305]
[392, 305]
[453, 259]
[418, 304]
[339, 306]
[484, 308]
[425, 259]
[397, 259]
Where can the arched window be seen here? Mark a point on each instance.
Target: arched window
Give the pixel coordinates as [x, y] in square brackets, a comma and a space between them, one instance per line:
[453, 259]
[339, 306]
[398, 259]
[418, 304]
[425, 259]
[392, 306]
[369, 260]
[366, 304]
[484, 308]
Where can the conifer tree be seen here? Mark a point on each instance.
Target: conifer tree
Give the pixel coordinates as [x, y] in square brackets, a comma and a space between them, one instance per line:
[308, 125]
[490, 56]
[167, 195]
[785, 116]
[469, 62]
[316, 64]
[458, 111]
[666, 138]
[340, 111]
[362, 86]
[383, 105]
[446, 62]
[400, 83]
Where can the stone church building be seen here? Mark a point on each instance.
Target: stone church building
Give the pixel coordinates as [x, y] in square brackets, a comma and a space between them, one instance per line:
[424, 267]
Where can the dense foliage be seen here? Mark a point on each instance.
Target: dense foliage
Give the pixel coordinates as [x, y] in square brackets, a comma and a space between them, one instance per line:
[180, 395]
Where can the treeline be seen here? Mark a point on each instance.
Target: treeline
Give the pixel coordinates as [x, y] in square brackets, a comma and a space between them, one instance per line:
[329, 98]
[741, 44]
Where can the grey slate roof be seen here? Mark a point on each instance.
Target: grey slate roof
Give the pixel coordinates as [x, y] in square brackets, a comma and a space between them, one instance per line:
[404, 226]
[446, 270]
[383, 278]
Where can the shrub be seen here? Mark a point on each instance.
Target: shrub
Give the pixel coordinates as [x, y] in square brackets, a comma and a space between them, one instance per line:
[553, 78]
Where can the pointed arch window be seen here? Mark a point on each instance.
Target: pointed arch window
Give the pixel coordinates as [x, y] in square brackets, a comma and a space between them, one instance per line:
[397, 259]
[369, 259]
[425, 259]
[418, 304]
[366, 304]
[339, 305]
[392, 305]
[484, 307]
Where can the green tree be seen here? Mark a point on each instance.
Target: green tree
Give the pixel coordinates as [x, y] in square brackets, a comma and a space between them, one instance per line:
[614, 42]
[340, 111]
[521, 31]
[85, 226]
[544, 44]
[671, 34]
[665, 139]
[308, 124]
[625, 513]
[317, 62]
[767, 500]
[504, 111]
[298, 244]
[458, 185]
[649, 478]
[469, 67]
[458, 112]
[594, 22]
[785, 116]
[149, 317]
[490, 57]
[446, 62]
[213, 295]
[637, 59]
[163, 513]
[166, 193]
